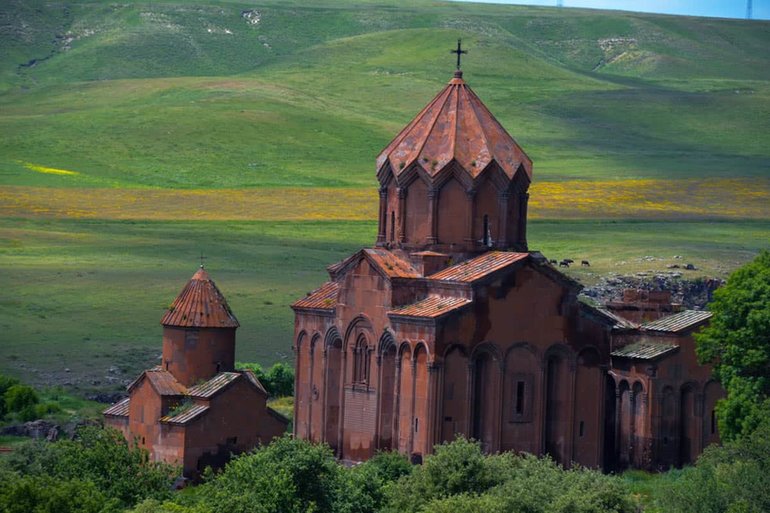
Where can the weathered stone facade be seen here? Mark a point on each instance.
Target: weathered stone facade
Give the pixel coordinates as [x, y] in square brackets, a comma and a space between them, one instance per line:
[450, 326]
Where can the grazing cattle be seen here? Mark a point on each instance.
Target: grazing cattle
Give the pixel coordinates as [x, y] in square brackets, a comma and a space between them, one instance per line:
[554, 262]
[690, 267]
[585, 263]
[564, 263]
[568, 260]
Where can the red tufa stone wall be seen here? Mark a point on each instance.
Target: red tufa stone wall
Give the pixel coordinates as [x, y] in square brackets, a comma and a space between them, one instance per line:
[666, 407]
[119, 423]
[145, 409]
[236, 422]
[450, 215]
[465, 374]
[193, 354]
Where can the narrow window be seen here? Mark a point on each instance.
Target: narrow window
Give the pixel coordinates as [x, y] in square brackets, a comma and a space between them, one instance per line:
[520, 398]
[219, 365]
[361, 361]
[486, 230]
[582, 428]
[166, 364]
[142, 440]
[713, 422]
[416, 424]
[392, 226]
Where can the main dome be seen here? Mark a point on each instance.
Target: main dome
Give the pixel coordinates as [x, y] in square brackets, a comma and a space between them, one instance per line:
[455, 125]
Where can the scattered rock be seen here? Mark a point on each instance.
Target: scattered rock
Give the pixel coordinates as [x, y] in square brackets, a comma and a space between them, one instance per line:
[106, 397]
[692, 293]
[252, 16]
[37, 429]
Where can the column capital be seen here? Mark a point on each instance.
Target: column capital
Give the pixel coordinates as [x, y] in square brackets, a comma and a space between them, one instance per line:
[401, 192]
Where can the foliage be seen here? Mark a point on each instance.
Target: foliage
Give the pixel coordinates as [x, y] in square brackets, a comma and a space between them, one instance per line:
[278, 380]
[100, 457]
[45, 494]
[289, 475]
[458, 477]
[737, 343]
[22, 399]
[734, 478]
[6, 382]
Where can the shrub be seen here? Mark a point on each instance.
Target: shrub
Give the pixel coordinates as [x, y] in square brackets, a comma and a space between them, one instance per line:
[278, 380]
[19, 397]
[44, 494]
[288, 475]
[730, 479]
[100, 457]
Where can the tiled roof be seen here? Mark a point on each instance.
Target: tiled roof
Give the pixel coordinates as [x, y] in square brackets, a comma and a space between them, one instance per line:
[214, 385]
[620, 322]
[431, 307]
[388, 262]
[454, 126]
[200, 305]
[254, 380]
[162, 381]
[678, 322]
[322, 298]
[119, 409]
[644, 350]
[391, 264]
[479, 267]
[187, 415]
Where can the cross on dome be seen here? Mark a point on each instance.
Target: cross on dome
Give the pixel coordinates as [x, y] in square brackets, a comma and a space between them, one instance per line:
[459, 52]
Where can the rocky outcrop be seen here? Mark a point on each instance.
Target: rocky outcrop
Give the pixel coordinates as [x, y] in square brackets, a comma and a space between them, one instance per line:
[694, 294]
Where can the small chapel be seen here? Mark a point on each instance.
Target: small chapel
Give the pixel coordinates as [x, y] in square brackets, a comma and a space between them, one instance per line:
[450, 326]
[195, 409]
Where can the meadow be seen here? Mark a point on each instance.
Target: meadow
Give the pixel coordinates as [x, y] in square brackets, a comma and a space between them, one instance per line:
[136, 136]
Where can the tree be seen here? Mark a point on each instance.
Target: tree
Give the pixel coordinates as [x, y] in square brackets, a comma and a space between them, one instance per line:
[737, 344]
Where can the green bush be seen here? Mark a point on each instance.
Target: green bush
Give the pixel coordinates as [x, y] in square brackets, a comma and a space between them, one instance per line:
[734, 478]
[288, 475]
[19, 397]
[45, 494]
[6, 382]
[278, 380]
[100, 457]
[458, 477]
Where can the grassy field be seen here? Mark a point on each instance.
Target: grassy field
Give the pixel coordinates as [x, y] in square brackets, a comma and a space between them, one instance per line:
[135, 136]
[85, 296]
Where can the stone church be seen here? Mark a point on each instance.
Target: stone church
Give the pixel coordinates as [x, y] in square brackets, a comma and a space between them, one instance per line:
[450, 326]
[195, 409]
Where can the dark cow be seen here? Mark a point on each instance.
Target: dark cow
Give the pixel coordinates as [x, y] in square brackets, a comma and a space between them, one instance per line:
[564, 263]
[585, 263]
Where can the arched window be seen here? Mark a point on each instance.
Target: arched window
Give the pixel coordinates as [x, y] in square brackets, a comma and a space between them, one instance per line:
[361, 361]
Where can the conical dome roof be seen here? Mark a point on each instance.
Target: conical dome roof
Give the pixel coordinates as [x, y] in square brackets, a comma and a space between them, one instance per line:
[454, 125]
[200, 305]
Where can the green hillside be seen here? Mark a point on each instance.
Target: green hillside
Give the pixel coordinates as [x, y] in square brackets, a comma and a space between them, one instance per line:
[644, 130]
[194, 95]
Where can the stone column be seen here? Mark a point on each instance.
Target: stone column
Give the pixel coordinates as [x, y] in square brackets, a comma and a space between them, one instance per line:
[397, 404]
[433, 214]
[383, 215]
[401, 214]
[521, 243]
[502, 203]
[377, 414]
[470, 239]
[323, 395]
[430, 428]
[470, 389]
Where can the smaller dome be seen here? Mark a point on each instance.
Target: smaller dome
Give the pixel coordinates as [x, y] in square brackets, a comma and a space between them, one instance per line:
[454, 125]
[200, 305]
